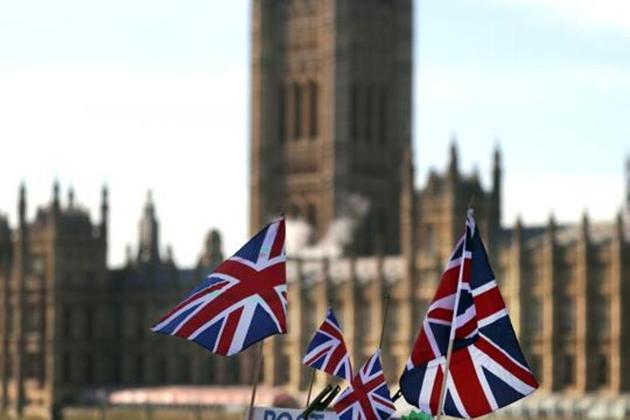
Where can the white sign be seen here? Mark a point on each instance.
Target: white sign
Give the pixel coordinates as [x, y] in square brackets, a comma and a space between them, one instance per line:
[273, 413]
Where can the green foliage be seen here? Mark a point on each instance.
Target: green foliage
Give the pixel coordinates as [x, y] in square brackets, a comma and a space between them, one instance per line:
[417, 415]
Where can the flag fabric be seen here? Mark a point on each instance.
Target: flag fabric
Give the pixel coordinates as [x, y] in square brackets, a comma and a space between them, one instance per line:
[367, 397]
[327, 351]
[487, 369]
[243, 301]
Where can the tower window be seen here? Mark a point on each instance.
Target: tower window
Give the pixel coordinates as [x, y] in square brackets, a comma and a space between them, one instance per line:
[313, 96]
[354, 112]
[567, 315]
[184, 370]
[234, 370]
[535, 364]
[534, 317]
[297, 111]
[66, 322]
[139, 368]
[569, 369]
[66, 371]
[311, 214]
[382, 115]
[89, 322]
[88, 374]
[281, 114]
[431, 241]
[161, 370]
[602, 317]
[294, 211]
[602, 370]
[368, 110]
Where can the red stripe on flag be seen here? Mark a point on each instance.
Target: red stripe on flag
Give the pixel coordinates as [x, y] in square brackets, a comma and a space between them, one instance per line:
[278, 242]
[467, 383]
[250, 282]
[335, 358]
[317, 356]
[422, 351]
[448, 284]
[442, 314]
[434, 401]
[488, 348]
[196, 296]
[227, 334]
[330, 329]
[467, 269]
[488, 303]
[465, 330]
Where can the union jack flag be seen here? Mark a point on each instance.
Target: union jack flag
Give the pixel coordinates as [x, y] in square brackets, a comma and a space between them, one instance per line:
[327, 351]
[487, 370]
[367, 397]
[242, 302]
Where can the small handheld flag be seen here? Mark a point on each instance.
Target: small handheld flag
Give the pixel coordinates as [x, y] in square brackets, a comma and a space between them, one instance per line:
[242, 302]
[487, 369]
[327, 351]
[367, 397]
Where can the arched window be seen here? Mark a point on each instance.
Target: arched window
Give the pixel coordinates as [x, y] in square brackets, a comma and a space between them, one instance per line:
[88, 369]
[354, 112]
[234, 370]
[368, 111]
[294, 211]
[139, 368]
[382, 115]
[311, 215]
[161, 370]
[282, 125]
[297, 111]
[313, 97]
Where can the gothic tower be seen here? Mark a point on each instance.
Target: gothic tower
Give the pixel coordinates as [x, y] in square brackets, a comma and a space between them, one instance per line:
[331, 113]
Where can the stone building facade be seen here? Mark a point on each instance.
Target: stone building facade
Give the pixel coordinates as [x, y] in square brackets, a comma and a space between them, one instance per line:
[330, 104]
[70, 327]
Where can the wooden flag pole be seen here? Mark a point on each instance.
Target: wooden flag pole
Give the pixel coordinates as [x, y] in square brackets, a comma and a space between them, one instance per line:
[256, 379]
[444, 379]
[310, 387]
[451, 339]
[380, 341]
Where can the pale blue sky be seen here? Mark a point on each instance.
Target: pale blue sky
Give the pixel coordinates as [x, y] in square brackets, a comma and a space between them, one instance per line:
[146, 94]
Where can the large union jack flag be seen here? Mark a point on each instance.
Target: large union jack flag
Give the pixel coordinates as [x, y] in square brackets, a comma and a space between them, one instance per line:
[327, 351]
[487, 369]
[243, 301]
[367, 397]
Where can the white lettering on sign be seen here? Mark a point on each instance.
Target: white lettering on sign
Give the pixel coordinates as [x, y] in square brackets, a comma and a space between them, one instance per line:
[273, 413]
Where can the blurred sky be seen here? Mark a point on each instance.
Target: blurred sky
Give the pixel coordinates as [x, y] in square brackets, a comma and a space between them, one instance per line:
[153, 94]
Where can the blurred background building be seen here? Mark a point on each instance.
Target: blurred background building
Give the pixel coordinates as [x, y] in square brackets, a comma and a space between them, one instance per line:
[331, 120]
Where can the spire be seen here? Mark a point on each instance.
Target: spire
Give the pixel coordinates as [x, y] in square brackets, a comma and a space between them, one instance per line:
[496, 168]
[213, 253]
[71, 198]
[169, 253]
[453, 166]
[619, 226]
[22, 204]
[148, 251]
[585, 226]
[104, 211]
[551, 228]
[517, 232]
[55, 199]
[128, 255]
